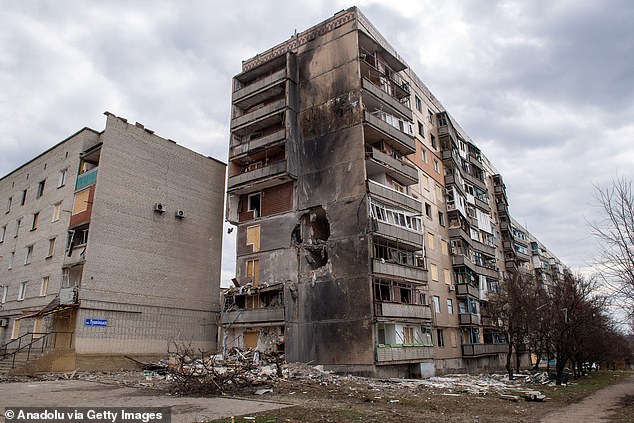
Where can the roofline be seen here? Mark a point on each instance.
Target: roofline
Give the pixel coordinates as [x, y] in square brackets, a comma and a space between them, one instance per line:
[85, 128]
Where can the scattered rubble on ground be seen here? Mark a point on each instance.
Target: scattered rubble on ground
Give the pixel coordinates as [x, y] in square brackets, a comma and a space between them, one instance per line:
[247, 371]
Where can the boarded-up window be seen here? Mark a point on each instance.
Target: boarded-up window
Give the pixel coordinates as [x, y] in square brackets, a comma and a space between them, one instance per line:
[250, 340]
[253, 270]
[80, 203]
[57, 208]
[408, 335]
[430, 241]
[16, 329]
[37, 327]
[454, 341]
[253, 237]
[447, 276]
[434, 272]
[443, 247]
[253, 301]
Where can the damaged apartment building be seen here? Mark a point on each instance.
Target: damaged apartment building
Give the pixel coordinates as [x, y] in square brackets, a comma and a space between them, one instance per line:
[109, 247]
[370, 227]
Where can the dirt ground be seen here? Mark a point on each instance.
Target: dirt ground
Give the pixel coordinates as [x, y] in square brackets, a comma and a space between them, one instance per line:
[318, 396]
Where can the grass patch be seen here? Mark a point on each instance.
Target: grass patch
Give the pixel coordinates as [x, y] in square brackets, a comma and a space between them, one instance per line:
[584, 386]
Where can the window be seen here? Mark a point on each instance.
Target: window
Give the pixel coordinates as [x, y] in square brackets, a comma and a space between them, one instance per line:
[430, 241]
[36, 217]
[421, 130]
[423, 154]
[253, 270]
[40, 188]
[80, 203]
[449, 306]
[254, 204]
[28, 254]
[253, 237]
[3, 232]
[440, 337]
[433, 141]
[425, 182]
[62, 178]
[22, 291]
[447, 274]
[436, 166]
[438, 193]
[436, 304]
[57, 208]
[419, 103]
[17, 227]
[5, 292]
[441, 218]
[430, 116]
[408, 335]
[428, 210]
[44, 286]
[51, 248]
[37, 328]
[444, 247]
[15, 332]
[9, 201]
[434, 272]
[11, 257]
[398, 187]
[23, 197]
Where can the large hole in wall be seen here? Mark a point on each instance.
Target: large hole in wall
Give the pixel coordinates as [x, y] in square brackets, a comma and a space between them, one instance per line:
[311, 233]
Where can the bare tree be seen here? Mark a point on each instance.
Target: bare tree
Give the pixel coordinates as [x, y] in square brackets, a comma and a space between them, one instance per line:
[615, 232]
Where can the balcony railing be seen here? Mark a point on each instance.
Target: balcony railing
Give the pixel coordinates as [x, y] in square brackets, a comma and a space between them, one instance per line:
[252, 315]
[401, 170]
[397, 232]
[386, 98]
[469, 319]
[467, 289]
[408, 311]
[87, 178]
[394, 196]
[246, 146]
[399, 270]
[403, 353]
[259, 85]
[265, 172]
[257, 114]
[474, 350]
[404, 142]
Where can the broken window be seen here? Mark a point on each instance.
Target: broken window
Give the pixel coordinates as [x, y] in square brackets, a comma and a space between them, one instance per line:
[40, 188]
[23, 197]
[408, 335]
[36, 217]
[440, 336]
[436, 304]
[253, 270]
[254, 204]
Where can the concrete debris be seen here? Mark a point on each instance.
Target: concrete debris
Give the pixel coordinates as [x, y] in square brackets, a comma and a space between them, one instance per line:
[263, 391]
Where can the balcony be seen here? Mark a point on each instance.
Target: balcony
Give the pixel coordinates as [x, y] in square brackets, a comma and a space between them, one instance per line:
[462, 260]
[475, 181]
[399, 270]
[398, 233]
[259, 115]
[85, 179]
[463, 289]
[394, 196]
[469, 319]
[388, 100]
[379, 129]
[263, 177]
[407, 311]
[491, 272]
[475, 350]
[379, 162]
[260, 90]
[68, 296]
[253, 315]
[486, 249]
[482, 204]
[459, 233]
[257, 144]
[391, 354]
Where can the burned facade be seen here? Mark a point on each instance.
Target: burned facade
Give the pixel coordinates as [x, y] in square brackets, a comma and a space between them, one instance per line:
[368, 223]
[110, 246]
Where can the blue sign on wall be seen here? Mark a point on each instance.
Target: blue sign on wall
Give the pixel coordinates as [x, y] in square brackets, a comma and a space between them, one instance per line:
[96, 322]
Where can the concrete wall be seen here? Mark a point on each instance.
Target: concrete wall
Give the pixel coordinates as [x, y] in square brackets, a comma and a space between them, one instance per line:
[151, 275]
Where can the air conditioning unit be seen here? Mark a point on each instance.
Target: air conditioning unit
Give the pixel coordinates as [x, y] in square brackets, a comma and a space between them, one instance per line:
[159, 207]
[4, 323]
[180, 214]
[452, 287]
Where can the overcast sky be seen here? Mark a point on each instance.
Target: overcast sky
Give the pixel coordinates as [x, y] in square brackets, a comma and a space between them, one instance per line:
[545, 88]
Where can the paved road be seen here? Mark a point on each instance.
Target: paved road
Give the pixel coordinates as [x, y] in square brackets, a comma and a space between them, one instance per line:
[594, 408]
[80, 393]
